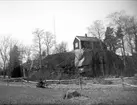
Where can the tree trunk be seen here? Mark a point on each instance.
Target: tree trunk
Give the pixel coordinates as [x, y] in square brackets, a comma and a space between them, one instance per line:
[40, 65]
[101, 59]
[124, 60]
[131, 46]
[135, 43]
[4, 70]
[4, 74]
[47, 50]
[102, 66]
[40, 62]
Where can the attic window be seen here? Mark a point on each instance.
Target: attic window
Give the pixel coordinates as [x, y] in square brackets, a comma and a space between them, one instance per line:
[76, 45]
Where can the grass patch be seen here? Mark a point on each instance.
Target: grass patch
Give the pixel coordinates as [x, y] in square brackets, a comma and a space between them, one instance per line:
[102, 81]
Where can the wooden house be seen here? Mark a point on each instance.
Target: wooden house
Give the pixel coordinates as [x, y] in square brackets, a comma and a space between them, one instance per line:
[85, 42]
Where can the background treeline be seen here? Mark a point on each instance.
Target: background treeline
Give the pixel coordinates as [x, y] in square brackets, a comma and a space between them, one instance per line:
[53, 60]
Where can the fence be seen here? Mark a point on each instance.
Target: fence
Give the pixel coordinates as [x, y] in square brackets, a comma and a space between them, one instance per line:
[67, 82]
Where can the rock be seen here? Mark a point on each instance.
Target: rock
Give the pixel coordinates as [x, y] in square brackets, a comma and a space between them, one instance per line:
[70, 94]
[41, 84]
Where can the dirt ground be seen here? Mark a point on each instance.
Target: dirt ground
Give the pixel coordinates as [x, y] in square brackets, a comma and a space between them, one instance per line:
[93, 94]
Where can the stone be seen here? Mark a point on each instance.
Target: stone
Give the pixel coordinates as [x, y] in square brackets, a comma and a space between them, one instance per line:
[71, 94]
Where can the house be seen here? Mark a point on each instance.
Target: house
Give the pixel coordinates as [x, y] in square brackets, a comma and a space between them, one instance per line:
[85, 42]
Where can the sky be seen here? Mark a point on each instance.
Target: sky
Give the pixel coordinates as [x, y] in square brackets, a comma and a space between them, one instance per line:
[66, 19]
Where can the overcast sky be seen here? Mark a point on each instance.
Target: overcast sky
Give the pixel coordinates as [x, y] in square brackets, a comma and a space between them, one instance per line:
[20, 18]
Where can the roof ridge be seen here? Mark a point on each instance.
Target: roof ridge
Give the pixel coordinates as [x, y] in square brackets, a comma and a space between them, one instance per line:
[87, 36]
[83, 36]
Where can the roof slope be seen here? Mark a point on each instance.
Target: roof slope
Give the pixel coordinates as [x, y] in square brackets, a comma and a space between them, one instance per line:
[83, 38]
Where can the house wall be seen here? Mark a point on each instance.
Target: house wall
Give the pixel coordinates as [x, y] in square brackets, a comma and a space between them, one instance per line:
[76, 44]
[87, 44]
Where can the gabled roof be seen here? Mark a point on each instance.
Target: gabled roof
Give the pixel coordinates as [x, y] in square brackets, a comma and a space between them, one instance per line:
[83, 38]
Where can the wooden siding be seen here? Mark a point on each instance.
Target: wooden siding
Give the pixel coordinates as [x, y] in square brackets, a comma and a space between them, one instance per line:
[87, 44]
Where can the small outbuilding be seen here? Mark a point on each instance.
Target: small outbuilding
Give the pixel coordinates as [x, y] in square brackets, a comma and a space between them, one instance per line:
[82, 42]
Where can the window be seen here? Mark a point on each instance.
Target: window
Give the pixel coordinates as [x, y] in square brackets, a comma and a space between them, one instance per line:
[76, 45]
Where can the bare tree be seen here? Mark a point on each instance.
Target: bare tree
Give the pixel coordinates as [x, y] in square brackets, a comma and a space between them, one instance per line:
[131, 32]
[127, 25]
[28, 52]
[38, 40]
[49, 41]
[123, 24]
[134, 31]
[97, 29]
[0, 65]
[4, 51]
[118, 20]
[111, 40]
[62, 47]
[25, 52]
[6, 43]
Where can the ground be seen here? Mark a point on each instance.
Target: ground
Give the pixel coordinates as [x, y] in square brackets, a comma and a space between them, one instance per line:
[93, 94]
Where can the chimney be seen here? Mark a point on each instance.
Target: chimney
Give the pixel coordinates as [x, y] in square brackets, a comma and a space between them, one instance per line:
[85, 35]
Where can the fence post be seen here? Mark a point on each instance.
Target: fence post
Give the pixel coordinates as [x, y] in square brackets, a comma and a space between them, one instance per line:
[80, 82]
[122, 79]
